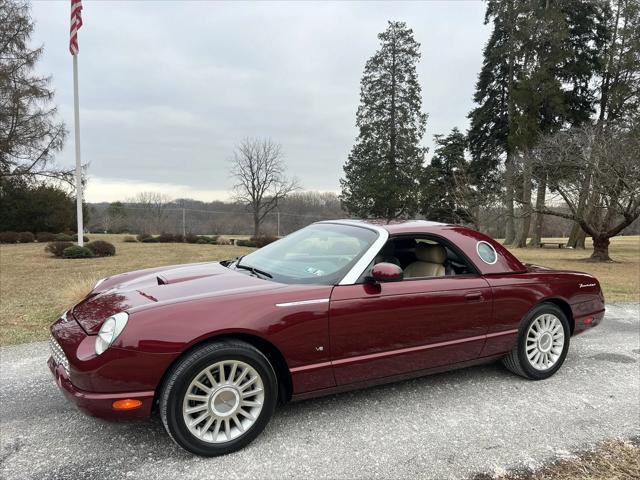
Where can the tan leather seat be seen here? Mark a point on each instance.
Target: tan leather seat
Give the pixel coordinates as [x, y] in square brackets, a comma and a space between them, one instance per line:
[430, 262]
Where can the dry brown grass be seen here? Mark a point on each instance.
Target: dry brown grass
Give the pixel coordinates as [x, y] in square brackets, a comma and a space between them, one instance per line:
[613, 460]
[35, 287]
[620, 279]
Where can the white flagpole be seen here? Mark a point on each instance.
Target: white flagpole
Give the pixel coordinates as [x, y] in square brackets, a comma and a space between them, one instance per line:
[76, 111]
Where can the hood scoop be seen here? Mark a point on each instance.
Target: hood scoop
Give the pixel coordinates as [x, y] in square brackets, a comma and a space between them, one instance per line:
[171, 278]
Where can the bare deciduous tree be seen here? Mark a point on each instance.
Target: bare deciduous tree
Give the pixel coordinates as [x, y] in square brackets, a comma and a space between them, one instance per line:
[260, 180]
[610, 164]
[153, 211]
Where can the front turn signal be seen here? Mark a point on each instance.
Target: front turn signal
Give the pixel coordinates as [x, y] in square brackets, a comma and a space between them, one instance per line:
[126, 404]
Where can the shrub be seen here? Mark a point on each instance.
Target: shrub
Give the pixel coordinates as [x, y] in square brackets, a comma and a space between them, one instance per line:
[9, 237]
[129, 239]
[166, 238]
[178, 238]
[149, 239]
[263, 240]
[245, 243]
[76, 251]
[203, 239]
[100, 248]
[69, 233]
[191, 238]
[85, 239]
[141, 236]
[57, 248]
[26, 237]
[63, 237]
[44, 237]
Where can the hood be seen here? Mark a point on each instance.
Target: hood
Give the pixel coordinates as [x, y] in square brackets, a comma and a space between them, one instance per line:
[158, 286]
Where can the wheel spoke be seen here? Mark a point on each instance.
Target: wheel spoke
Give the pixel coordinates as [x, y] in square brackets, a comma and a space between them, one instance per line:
[227, 429]
[241, 377]
[216, 430]
[246, 414]
[238, 423]
[197, 398]
[197, 408]
[251, 393]
[232, 374]
[202, 387]
[206, 426]
[211, 379]
[248, 384]
[221, 370]
[199, 419]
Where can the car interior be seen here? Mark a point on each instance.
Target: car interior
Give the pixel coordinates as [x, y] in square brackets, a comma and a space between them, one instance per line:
[421, 257]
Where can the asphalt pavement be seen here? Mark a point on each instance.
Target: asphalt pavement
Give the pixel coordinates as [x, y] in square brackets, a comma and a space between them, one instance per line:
[452, 425]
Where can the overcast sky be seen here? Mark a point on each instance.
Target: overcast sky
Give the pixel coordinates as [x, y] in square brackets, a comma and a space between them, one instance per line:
[168, 88]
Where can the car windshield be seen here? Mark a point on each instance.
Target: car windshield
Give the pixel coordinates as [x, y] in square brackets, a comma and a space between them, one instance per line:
[319, 254]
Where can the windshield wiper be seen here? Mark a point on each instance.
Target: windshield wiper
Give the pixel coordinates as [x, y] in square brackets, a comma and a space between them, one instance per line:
[253, 270]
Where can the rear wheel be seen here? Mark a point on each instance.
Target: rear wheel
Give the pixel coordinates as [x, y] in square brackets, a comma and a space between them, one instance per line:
[542, 345]
[218, 398]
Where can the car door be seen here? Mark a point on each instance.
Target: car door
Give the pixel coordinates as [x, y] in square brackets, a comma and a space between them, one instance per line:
[385, 329]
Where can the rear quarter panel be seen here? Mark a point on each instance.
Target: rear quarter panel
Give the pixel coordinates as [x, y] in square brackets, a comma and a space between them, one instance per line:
[516, 294]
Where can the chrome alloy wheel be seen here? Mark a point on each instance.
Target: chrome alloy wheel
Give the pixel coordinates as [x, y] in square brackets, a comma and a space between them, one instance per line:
[223, 401]
[545, 341]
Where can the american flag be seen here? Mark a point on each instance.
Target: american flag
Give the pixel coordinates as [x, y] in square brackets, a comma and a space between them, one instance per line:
[76, 23]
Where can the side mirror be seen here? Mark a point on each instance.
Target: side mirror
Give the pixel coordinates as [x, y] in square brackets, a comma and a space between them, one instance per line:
[386, 272]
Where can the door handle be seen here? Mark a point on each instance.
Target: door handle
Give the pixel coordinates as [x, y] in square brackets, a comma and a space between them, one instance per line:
[470, 297]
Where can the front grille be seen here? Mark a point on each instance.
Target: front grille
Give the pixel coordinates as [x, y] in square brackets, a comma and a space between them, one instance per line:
[58, 354]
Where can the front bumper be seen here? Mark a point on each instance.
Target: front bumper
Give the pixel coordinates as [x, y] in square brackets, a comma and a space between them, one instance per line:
[94, 382]
[100, 404]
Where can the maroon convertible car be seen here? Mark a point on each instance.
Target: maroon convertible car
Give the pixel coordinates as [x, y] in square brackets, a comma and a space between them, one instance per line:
[338, 305]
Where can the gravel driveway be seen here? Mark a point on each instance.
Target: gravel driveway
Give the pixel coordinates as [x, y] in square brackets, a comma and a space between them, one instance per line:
[480, 419]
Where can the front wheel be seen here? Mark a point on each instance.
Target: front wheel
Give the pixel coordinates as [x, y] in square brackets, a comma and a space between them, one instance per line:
[543, 343]
[218, 398]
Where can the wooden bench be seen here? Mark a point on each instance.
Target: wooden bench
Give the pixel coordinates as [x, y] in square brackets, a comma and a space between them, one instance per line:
[551, 244]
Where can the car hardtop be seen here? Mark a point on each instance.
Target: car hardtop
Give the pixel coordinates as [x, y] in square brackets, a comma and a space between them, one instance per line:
[463, 238]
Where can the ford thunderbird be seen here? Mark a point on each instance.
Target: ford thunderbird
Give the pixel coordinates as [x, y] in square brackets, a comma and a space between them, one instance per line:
[213, 348]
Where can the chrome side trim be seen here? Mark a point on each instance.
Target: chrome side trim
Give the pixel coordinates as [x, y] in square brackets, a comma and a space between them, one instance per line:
[303, 302]
[356, 271]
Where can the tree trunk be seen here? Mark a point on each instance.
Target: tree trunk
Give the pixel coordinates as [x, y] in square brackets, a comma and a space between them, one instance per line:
[536, 237]
[525, 224]
[256, 226]
[510, 230]
[600, 249]
[581, 238]
[574, 236]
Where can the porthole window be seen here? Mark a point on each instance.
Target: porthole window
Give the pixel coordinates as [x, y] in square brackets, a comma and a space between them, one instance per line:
[487, 253]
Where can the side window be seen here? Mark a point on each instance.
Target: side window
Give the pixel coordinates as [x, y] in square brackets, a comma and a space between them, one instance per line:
[423, 257]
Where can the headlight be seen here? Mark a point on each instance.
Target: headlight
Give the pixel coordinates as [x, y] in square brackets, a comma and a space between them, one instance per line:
[110, 330]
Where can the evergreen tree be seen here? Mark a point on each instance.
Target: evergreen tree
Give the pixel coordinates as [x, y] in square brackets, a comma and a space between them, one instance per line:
[30, 133]
[491, 120]
[384, 167]
[537, 77]
[439, 183]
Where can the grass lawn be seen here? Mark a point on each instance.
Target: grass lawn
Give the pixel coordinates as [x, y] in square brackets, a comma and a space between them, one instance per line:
[35, 287]
[620, 279]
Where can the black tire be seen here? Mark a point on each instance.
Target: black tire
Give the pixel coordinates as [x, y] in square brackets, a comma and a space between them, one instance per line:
[187, 368]
[517, 360]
